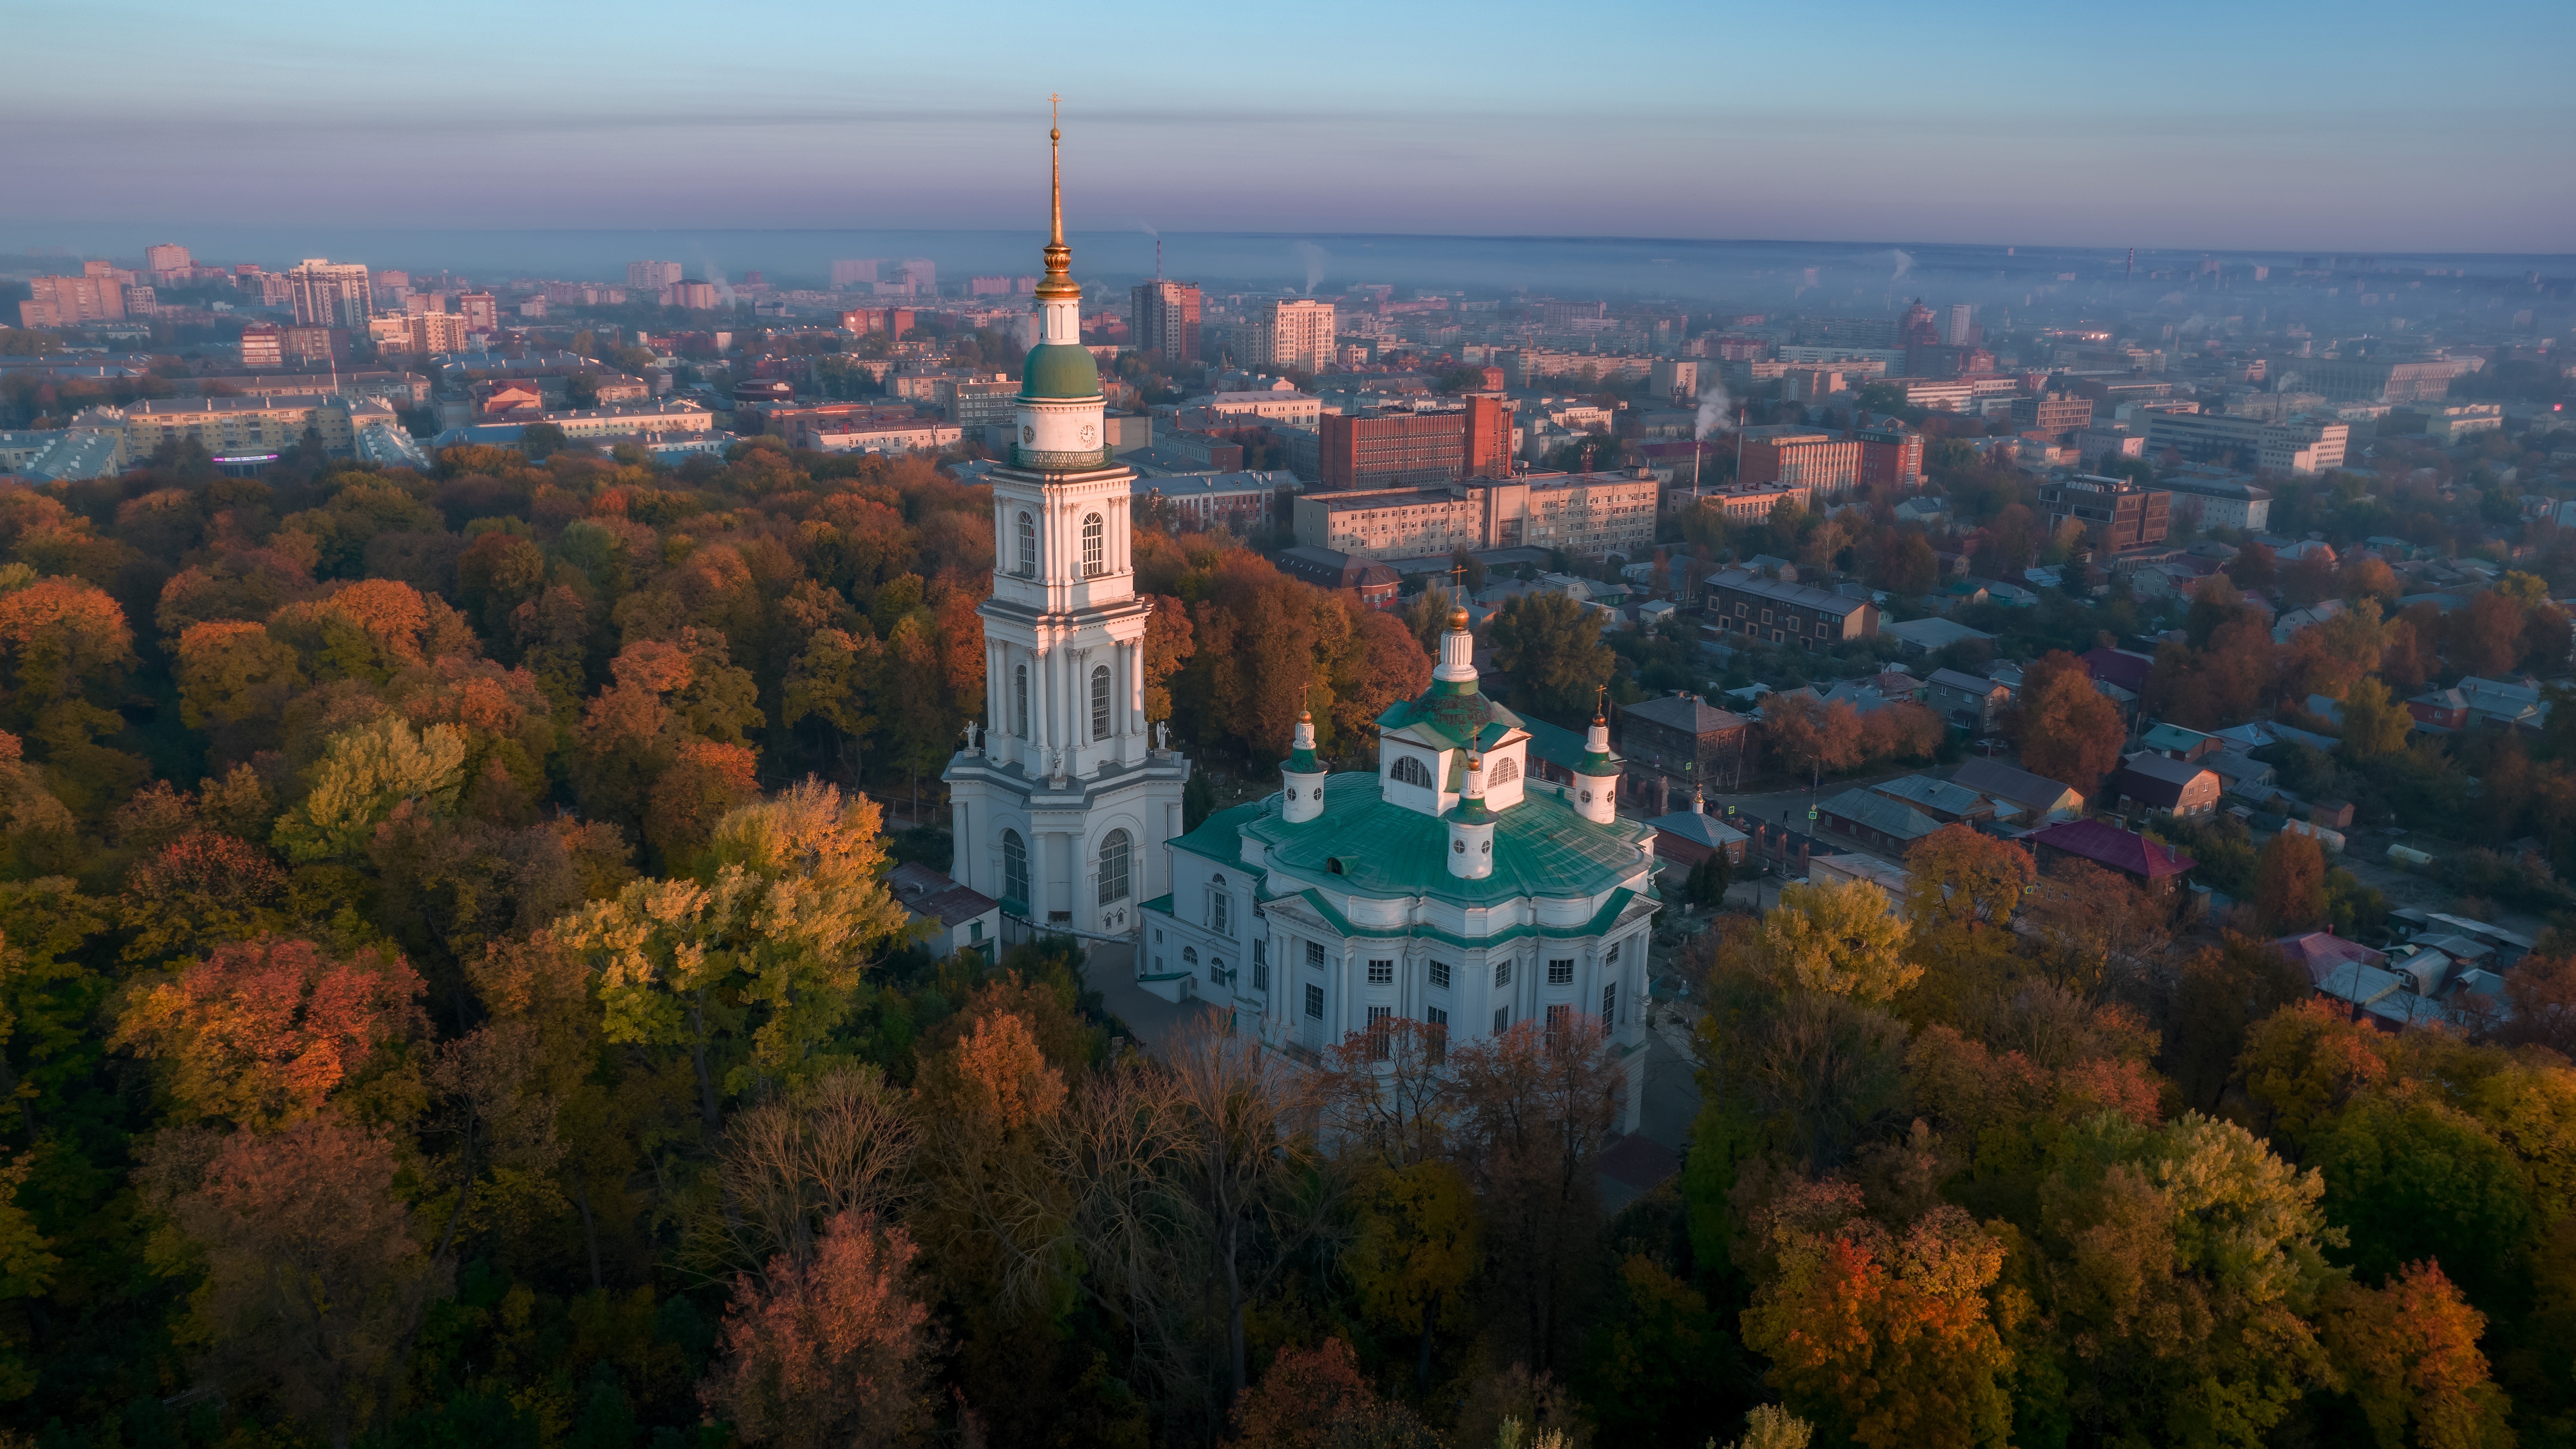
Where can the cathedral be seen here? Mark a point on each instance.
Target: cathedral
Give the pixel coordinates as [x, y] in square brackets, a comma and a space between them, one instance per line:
[1446, 886]
[1061, 801]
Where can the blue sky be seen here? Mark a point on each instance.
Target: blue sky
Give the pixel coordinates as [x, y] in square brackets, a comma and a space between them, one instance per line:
[2254, 126]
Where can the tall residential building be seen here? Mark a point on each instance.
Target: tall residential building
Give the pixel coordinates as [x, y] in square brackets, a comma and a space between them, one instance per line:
[1063, 807]
[1400, 449]
[2055, 413]
[1167, 320]
[847, 270]
[480, 311]
[920, 275]
[654, 276]
[2117, 515]
[70, 301]
[328, 294]
[1293, 333]
[437, 332]
[1959, 331]
[165, 258]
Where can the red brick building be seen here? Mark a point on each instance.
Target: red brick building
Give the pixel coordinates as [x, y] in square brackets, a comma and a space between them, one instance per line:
[1401, 449]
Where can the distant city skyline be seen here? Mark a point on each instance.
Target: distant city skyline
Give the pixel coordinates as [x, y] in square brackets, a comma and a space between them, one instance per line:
[2281, 127]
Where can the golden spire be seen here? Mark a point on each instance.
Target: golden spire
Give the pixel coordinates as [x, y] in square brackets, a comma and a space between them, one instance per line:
[1059, 257]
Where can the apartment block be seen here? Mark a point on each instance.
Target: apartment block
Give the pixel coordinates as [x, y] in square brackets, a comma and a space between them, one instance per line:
[261, 423]
[1166, 317]
[653, 276]
[2117, 515]
[1890, 457]
[71, 301]
[331, 294]
[1579, 512]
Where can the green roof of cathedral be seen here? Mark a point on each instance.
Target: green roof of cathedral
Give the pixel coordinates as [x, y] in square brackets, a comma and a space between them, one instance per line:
[1059, 370]
[1541, 846]
[1464, 719]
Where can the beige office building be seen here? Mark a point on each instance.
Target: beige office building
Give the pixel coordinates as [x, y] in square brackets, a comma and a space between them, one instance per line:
[1295, 334]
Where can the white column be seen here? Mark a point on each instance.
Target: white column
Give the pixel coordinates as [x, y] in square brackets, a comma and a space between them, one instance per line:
[1038, 875]
[965, 859]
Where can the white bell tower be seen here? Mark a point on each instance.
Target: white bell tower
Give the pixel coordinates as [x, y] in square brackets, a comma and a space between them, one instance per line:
[1063, 811]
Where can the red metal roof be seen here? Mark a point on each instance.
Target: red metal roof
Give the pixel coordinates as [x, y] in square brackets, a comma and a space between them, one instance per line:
[2109, 845]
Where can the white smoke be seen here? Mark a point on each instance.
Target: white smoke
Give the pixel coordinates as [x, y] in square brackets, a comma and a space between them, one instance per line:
[2194, 323]
[1904, 262]
[1314, 257]
[1147, 228]
[1712, 411]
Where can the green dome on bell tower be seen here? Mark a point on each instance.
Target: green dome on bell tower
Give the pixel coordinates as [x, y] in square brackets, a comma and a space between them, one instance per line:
[1059, 370]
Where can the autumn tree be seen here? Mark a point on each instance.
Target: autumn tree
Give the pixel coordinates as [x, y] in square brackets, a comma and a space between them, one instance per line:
[830, 1350]
[2373, 724]
[1841, 940]
[313, 1277]
[1879, 1333]
[1551, 647]
[1808, 736]
[263, 1032]
[2290, 884]
[2408, 1351]
[758, 957]
[2062, 727]
[1317, 1398]
[1537, 1109]
[2183, 1266]
[1964, 889]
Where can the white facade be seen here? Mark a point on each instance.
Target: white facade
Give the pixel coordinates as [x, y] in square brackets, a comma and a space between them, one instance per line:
[1446, 888]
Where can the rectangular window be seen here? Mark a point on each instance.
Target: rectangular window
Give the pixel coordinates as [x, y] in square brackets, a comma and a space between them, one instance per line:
[1437, 1043]
[1314, 957]
[1503, 972]
[1260, 965]
[1315, 1002]
[1381, 973]
[1502, 1020]
[1440, 974]
[1377, 1031]
[1557, 1016]
[1610, 1004]
[1611, 956]
[1560, 973]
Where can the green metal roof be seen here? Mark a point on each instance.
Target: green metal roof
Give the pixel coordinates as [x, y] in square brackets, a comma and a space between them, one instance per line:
[1541, 846]
[1602, 920]
[1059, 370]
[1458, 717]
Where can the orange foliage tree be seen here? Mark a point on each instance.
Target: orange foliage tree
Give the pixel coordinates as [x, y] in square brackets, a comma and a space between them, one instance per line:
[262, 1032]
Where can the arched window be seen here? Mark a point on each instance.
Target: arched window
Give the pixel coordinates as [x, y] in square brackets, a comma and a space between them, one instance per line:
[1220, 906]
[1100, 702]
[1095, 547]
[1410, 771]
[1015, 868]
[1114, 853]
[1503, 770]
[1028, 547]
[1020, 700]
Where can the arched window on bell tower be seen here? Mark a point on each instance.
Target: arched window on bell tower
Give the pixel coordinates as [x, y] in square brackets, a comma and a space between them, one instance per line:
[1095, 547]
[1027, 531]
[1100, 702]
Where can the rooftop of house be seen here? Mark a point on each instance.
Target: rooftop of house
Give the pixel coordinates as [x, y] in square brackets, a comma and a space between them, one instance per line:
[930, 895]
[2109, 845]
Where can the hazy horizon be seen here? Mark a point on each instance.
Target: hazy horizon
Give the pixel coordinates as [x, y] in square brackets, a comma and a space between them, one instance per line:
[2280, 128]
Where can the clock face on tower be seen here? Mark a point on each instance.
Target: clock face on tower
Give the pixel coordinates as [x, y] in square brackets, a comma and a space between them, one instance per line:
[1028, 434]
[1089, 433]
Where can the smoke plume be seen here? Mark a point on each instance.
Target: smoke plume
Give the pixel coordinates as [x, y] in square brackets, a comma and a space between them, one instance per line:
[1904, 262]
[1712, 411]
[1314, 257]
